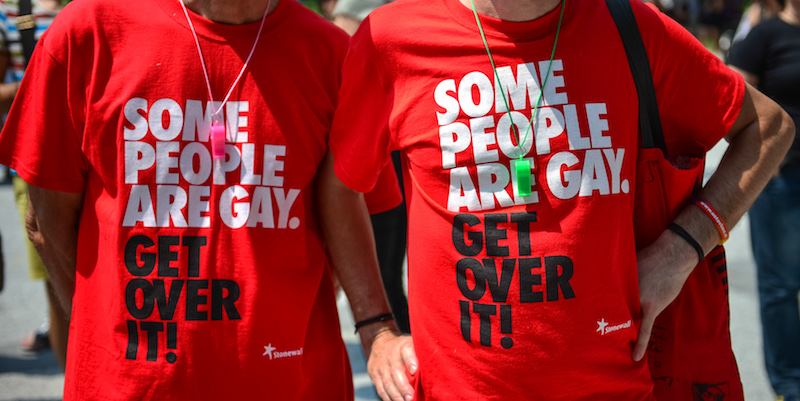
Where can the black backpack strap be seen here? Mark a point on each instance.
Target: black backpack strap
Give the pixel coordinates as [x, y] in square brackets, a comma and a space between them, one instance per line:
[26, 25]
[649, 120]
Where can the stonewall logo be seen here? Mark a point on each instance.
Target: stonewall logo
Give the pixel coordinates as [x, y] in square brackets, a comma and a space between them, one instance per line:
[275, 354]
[603, 328]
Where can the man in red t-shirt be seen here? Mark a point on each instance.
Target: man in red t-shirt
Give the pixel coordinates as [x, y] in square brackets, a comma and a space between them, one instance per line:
[524, 281]
[180, 177]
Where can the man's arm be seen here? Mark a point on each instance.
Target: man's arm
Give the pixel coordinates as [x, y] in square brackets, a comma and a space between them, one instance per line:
[750, 78]
[351, 247]
[52, 225]
[759, 139]
[7, 90]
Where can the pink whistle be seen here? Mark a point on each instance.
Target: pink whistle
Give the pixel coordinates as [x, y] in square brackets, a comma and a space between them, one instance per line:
[217, 140]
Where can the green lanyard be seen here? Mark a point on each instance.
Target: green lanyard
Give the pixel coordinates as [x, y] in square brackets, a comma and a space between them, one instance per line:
[521, 167]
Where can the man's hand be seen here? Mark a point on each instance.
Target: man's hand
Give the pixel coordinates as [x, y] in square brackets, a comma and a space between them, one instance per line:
[664, 267]
[392, 361]
[759, 140]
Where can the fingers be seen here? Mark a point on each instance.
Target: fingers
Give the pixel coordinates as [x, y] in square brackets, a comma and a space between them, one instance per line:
[392, 385]
[648, 319]
[410, 358]
[389, 366]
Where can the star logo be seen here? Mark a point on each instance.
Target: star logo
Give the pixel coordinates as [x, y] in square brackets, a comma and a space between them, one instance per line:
[268, 350]
[601, 326]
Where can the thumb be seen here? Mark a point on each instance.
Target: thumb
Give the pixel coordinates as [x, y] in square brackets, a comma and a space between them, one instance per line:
[646, 328]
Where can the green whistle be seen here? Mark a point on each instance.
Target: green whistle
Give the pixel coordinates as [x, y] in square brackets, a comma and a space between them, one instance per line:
[523, 170]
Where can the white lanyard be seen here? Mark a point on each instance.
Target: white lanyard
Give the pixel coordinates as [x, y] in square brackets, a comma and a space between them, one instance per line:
[217, 133]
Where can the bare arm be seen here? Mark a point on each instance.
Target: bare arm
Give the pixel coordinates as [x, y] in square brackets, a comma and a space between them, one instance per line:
[7, 90]
[759, 139]
[52, 224]
[750, 78]
[351, 247]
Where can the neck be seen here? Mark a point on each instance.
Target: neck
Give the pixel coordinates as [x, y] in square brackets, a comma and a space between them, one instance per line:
[791, 13]
[230, 12]
[513, 10]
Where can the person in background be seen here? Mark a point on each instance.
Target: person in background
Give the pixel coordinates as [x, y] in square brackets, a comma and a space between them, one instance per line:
[18, 35]
[2, 265]
[348, 14]
[769, 59]
[755, 13]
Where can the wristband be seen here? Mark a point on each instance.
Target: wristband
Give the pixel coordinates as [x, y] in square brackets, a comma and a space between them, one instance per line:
[688, 237]
[714, 216]
[375, 319]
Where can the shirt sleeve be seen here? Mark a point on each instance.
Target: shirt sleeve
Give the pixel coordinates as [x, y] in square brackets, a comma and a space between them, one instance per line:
[40, 137]
[360, 135]
[386, 195]
[751, 53]
[699, 97]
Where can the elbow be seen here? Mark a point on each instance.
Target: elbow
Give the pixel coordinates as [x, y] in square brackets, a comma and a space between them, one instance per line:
[32, 229]
[786, 131]
[789, 126]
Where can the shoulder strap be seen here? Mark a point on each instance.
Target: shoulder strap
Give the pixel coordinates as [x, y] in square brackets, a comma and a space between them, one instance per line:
[649, 120]
[26, 25]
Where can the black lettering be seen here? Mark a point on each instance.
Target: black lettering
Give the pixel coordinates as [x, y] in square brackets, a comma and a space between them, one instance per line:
[193, 299]
[505, 319]
[166, 255]
[218, 300]
[527, 280]
[193, 244]
[130, 298]
[166, 308]
[148, 259]
[486, 312]
[524, 221]
[172, 335]
[172, 341]
[498, 288]
[505, 326]
[554, 280]
[133, 340]
[494, 234]
[152, 329]
[475, 236]
[463, 283]
[466, 321]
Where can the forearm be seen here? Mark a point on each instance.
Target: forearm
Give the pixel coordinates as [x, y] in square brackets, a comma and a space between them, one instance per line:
[351, 247]
[756, 150]
[7, 93]
[52, 225]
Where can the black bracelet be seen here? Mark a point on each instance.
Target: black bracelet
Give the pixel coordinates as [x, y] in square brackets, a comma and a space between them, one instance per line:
[686, 236]
[375, 319]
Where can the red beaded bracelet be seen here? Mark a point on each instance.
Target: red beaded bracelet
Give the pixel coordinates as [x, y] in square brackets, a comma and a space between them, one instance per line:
[714, 216]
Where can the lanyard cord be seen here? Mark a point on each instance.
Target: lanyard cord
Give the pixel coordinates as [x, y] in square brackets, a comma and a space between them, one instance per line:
[497, 77]
[203, 61]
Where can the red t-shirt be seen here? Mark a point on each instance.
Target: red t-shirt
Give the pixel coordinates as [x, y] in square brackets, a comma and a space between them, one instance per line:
[511, 297]
[197, 278]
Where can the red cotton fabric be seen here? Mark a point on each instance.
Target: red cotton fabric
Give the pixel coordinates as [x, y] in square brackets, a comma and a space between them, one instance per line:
[517, 298]
[196, 278]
